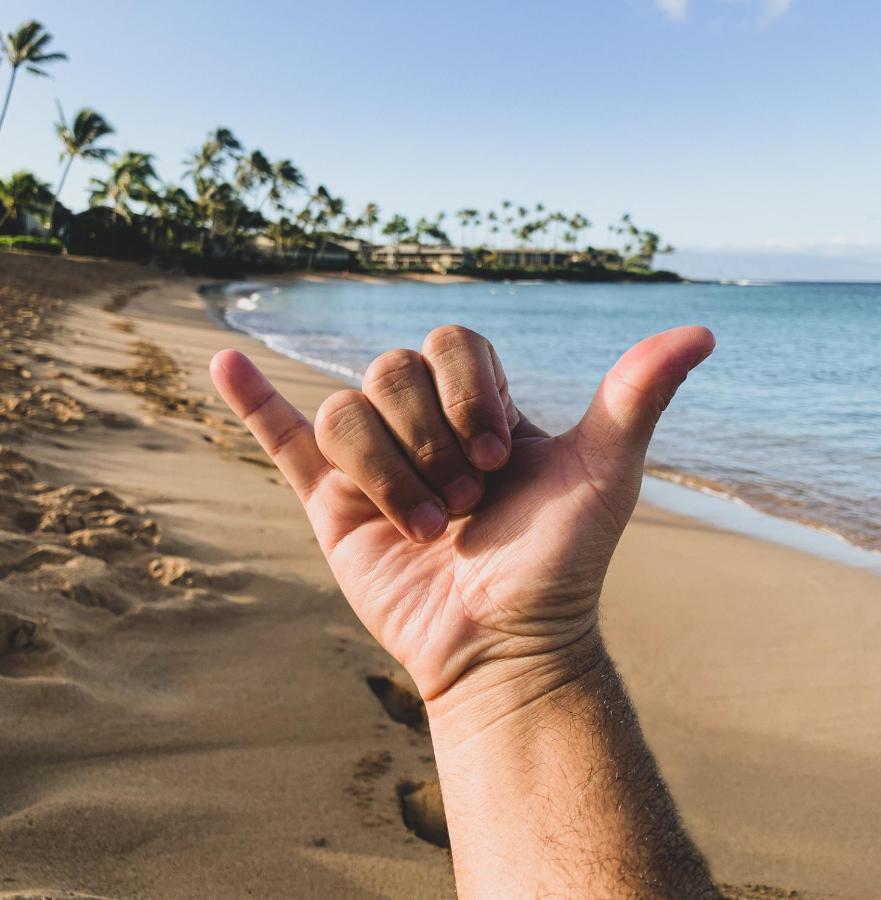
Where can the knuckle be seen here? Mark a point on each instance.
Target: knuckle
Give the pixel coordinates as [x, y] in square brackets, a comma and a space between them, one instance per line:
[340, 413]
[462, 402]
[449, 338]
[386, 479]
[432, 450]
[391, 372]
[259, 406]
[279, 441]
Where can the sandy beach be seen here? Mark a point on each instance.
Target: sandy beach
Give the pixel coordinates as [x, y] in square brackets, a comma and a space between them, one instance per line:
[189, 708]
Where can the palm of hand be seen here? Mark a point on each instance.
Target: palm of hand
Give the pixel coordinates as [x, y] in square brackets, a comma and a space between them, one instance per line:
[520, 575]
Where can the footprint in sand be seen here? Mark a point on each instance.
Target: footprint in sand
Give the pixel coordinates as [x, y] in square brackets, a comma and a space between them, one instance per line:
[102, 591]
[21, 639]
[105, 543]
[21, 633]
[39, 405]
[36, 558]
[422, 809]
[15, 466]
[368, 769]
[71, 509]
[178, 571]
[117, 421]
[401, 704]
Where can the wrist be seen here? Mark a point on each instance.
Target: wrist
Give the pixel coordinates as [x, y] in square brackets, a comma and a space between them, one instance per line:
[549, 788]
[501, 694]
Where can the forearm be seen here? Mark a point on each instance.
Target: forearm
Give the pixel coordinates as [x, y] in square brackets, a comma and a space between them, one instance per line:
[550, 789]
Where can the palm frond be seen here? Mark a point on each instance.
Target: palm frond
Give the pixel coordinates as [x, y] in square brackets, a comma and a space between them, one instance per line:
[49, 57]
[27, 46]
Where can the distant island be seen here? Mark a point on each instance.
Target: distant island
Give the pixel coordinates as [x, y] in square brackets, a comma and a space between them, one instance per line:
[236, 211]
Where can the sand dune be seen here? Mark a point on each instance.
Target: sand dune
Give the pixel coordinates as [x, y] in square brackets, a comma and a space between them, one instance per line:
[189, 708]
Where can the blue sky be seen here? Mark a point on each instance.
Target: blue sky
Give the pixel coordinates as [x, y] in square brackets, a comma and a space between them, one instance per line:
[748, 132]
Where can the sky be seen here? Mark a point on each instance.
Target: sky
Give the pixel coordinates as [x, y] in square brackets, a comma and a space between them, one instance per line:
[746, 132]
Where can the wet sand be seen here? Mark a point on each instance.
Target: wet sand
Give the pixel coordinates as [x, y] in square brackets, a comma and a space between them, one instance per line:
[190, 709]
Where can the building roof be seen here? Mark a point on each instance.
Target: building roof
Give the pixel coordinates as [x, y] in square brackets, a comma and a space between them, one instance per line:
[423, 249]
[564, 250]
[352, 244]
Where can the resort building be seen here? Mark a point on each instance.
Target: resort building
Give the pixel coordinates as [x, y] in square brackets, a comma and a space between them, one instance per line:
[338, 252]
[530, 258]
[438, 257]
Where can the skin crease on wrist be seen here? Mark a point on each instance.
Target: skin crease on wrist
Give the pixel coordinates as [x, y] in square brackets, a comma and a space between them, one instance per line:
[473, 546]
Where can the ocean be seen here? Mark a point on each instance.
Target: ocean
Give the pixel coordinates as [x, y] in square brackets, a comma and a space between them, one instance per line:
[785, 417]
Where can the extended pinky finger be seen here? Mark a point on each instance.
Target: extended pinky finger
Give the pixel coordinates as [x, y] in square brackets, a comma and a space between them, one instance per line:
[281, 429]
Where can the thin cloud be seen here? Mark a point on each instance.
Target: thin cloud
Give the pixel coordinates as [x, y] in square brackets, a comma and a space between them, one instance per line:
[768, 11]
[774, 9]
[673, 9]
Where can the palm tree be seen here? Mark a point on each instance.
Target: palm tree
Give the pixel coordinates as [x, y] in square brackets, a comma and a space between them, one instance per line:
[175, 215]
[464, 217]
[330, 209]
[335, 208]
[26, 46]
[79, 139]
[201, 163]
[492, 218]
[284, 177]
[649, 245]
[128, 181]
[468, 217]
[350, 226]
[508, 218]
[420, 229]
[435, 229]
[305, 222]
[285, 234]
[556, 219]
[206, 164]
[21, 194]
[578, 223]
[370, 217]
[522, 233]
[396, 228]
[540, 225]
[253, 170]
[216, 201]
[221, 145]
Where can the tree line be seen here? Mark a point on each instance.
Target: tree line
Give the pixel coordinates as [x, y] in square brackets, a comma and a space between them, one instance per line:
[229, 195]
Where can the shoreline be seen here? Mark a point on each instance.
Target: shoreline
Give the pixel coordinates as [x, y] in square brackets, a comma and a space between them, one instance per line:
[194, 687]
[668, 487]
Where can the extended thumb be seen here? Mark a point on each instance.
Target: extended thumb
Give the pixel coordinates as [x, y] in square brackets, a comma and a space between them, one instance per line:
[638, 388]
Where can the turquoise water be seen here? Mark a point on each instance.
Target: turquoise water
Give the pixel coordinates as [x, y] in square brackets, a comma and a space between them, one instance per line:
[785, 416]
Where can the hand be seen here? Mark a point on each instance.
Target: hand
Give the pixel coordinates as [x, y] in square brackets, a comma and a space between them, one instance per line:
[461, 533]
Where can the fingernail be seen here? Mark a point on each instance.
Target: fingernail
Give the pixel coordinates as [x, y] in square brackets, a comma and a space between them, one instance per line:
[462, 493]
[427, 520]
[487, 451]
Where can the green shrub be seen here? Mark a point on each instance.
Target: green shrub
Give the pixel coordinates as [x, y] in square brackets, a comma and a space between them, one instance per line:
[26, 242]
